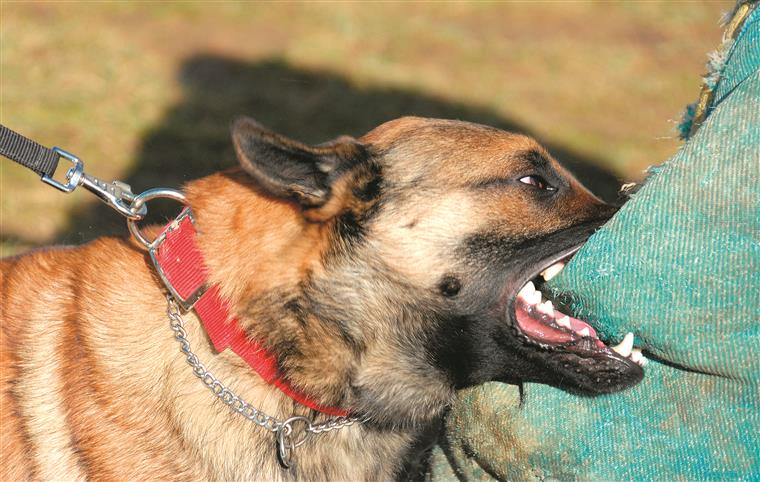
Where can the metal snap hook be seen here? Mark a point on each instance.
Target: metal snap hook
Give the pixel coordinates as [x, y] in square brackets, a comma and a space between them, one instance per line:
[116, 194]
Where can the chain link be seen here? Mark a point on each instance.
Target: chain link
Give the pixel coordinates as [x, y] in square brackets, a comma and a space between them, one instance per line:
[236, 403]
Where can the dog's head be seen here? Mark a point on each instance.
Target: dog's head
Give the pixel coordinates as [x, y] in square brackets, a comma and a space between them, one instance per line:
[435, 236]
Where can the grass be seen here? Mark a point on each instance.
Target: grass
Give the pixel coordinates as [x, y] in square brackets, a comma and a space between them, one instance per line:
[145, 91]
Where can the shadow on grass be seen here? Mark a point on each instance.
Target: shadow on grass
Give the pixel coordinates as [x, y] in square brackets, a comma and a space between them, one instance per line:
[192, 140]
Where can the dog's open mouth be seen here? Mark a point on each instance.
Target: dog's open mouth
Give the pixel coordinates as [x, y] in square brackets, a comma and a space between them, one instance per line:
[541, 323]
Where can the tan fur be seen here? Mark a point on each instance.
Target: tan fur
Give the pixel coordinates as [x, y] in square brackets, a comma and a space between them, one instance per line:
[93, 385]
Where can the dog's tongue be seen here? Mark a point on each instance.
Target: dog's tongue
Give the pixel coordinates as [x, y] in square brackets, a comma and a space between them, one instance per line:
[543, 323]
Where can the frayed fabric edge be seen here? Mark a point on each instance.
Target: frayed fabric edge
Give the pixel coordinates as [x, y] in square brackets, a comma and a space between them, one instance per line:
[695, 113]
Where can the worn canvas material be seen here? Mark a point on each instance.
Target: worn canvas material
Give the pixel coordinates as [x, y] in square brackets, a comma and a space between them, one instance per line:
[679, 266]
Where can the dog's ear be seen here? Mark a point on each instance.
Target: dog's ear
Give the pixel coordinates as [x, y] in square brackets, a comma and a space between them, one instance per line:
[309, 175]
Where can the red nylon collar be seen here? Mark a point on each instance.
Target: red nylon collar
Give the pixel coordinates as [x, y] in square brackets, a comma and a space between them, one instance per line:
[180, 264]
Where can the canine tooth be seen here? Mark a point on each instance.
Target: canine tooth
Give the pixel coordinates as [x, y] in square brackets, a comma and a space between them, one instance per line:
[552, 270]
[625, 346]
[585, 332]
[564, 322]
[527, 290]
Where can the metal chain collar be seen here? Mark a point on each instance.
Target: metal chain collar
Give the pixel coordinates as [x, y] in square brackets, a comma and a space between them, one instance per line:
[282, 429]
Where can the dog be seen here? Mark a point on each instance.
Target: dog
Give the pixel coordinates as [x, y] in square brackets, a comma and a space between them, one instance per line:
[382, 273]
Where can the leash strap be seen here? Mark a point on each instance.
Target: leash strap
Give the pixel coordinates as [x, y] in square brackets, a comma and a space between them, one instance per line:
[28, 153]
[44, 161]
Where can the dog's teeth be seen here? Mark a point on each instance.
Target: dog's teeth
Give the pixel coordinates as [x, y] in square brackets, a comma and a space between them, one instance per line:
[625, 346]
[564, 322]
[546, 308]
[527, 290]
[585, 332]
[534, 298]
[638, 357]
[552, 270]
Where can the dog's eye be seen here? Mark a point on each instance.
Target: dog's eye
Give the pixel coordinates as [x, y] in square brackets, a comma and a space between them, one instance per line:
[538, 182]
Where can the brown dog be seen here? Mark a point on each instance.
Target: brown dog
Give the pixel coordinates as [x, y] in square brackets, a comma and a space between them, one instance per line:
[383, 274]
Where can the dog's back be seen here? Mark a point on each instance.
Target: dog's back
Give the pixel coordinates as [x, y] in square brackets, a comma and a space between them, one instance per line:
[64, 415]
[32, 414]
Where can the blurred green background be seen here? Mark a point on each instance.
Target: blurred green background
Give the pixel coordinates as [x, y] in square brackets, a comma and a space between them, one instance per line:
[144, 92]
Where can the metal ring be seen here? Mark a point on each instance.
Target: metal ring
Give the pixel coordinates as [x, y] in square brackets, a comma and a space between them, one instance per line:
[289, 423]
[141, 199]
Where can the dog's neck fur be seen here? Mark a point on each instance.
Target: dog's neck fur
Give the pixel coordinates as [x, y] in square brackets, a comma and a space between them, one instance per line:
[280, 261]
[264, 270]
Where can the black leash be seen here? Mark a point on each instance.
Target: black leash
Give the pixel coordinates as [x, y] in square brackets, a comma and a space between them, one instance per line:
[44, 161]
[28, 153]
